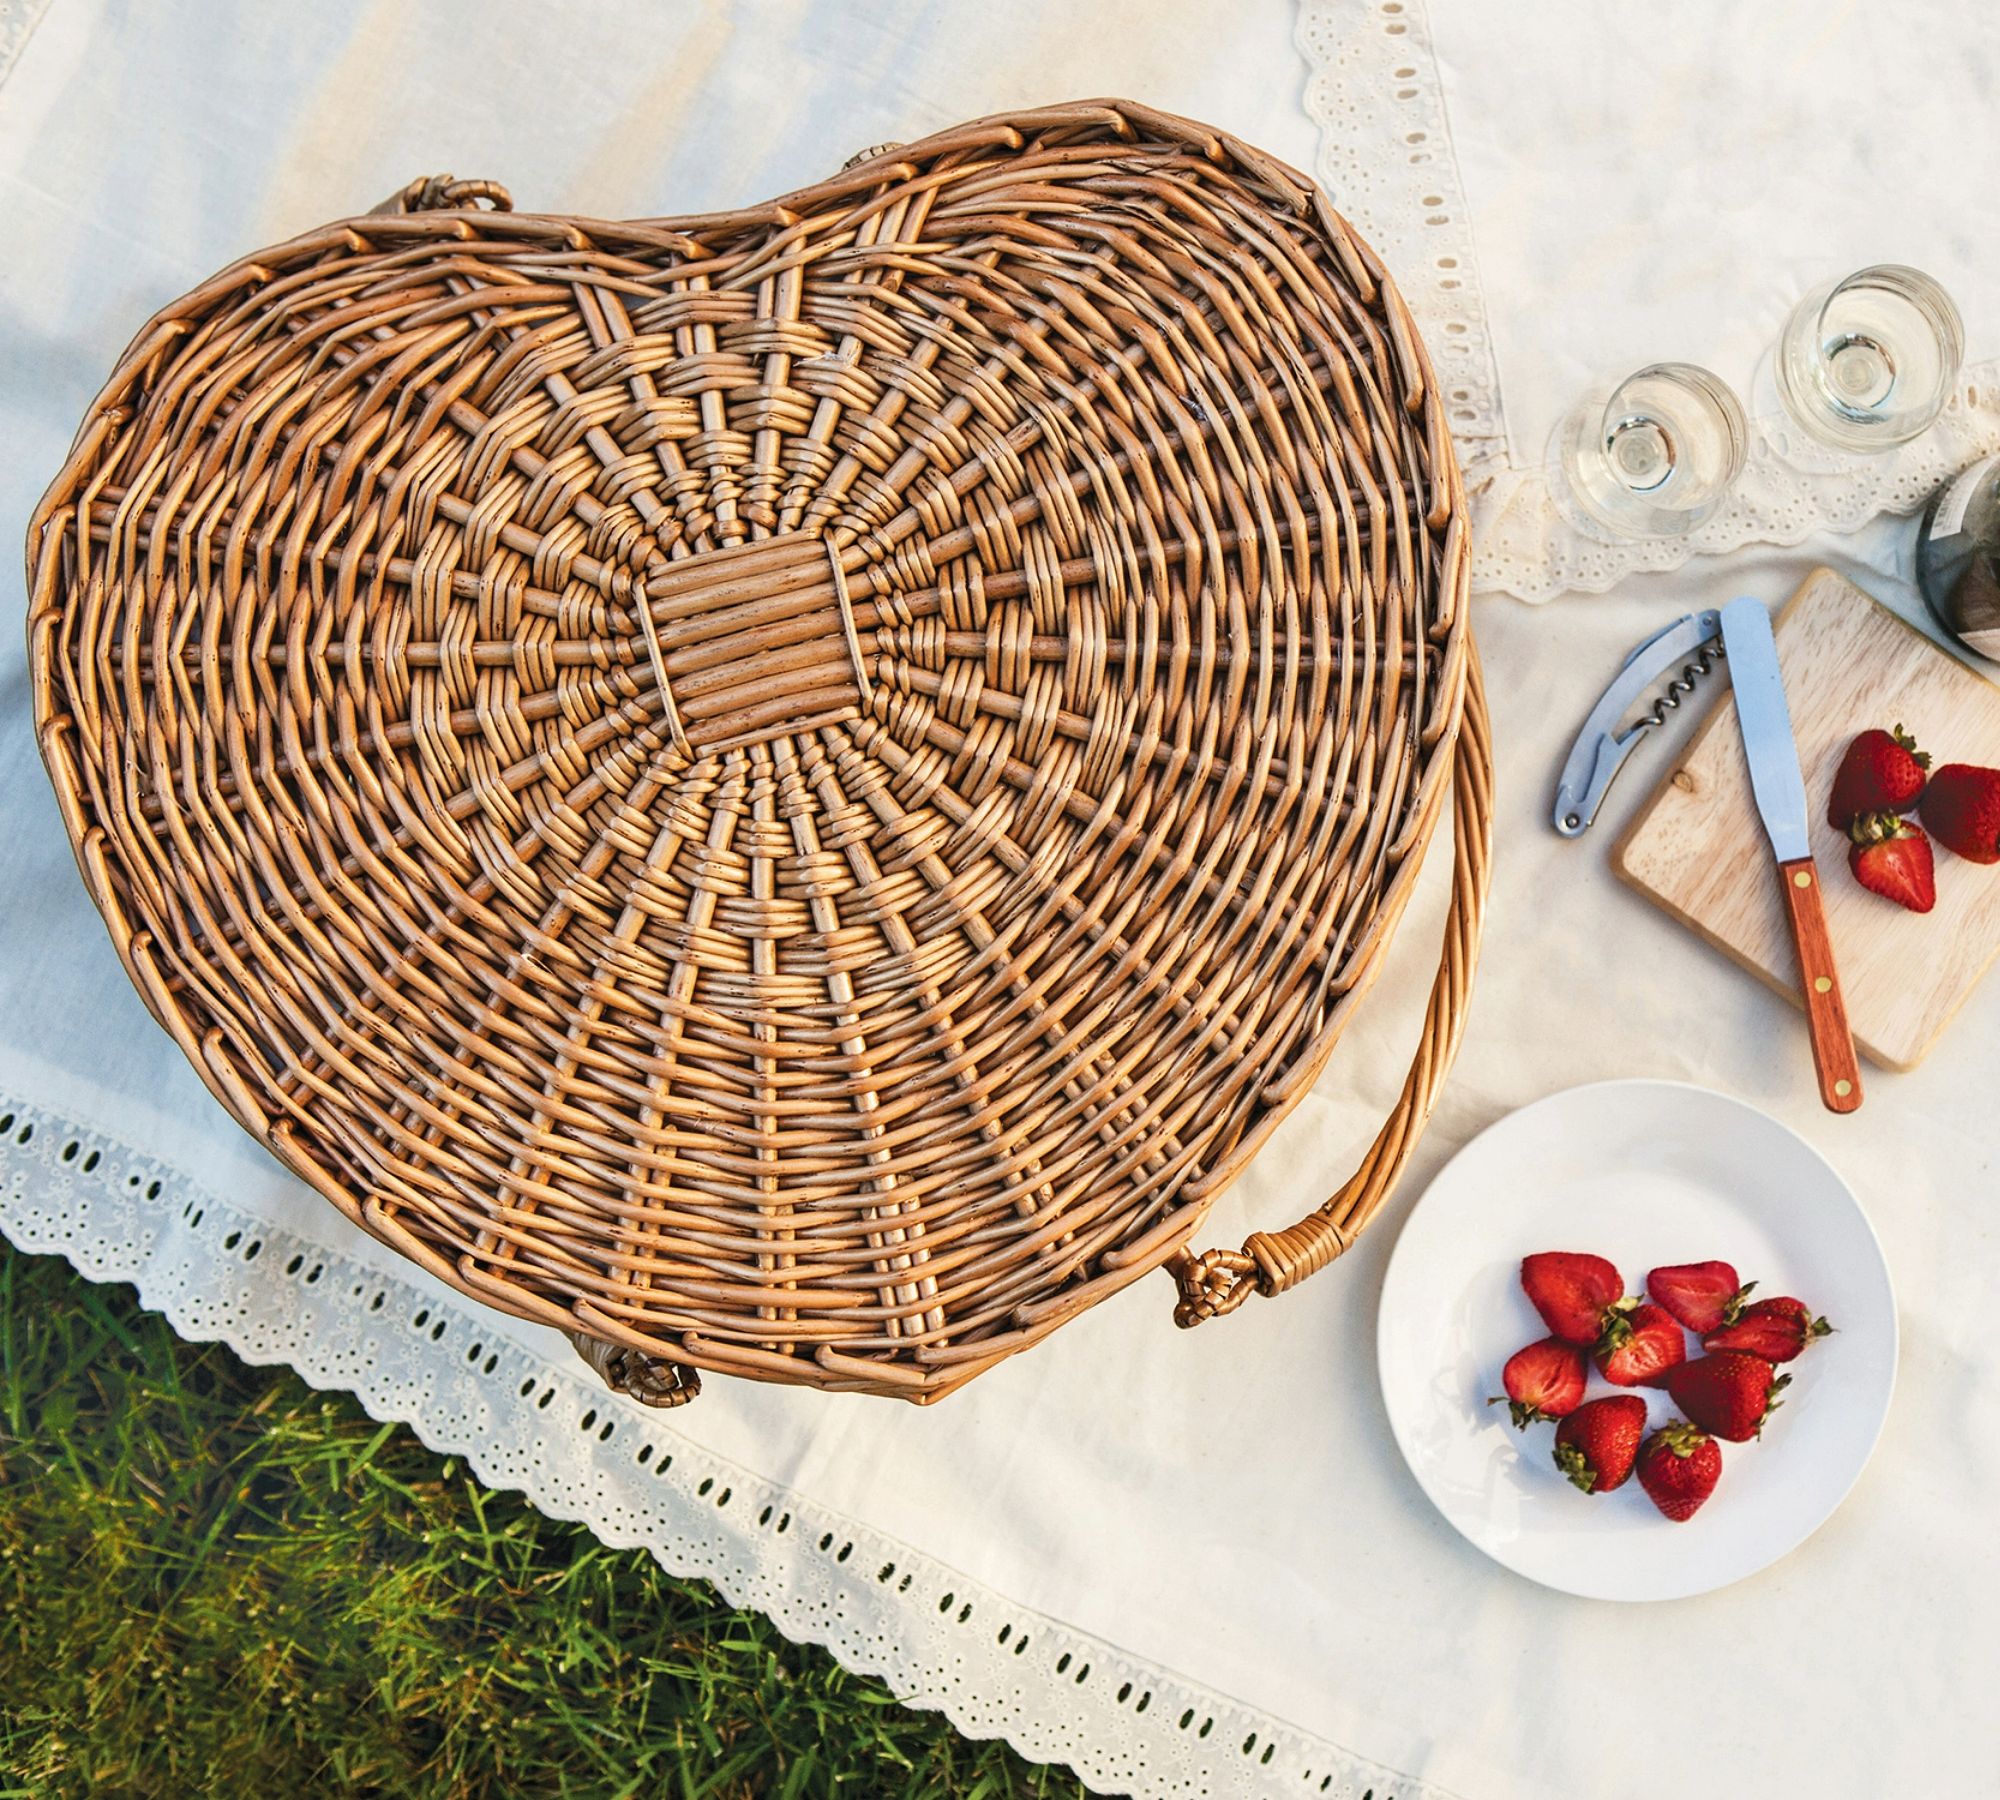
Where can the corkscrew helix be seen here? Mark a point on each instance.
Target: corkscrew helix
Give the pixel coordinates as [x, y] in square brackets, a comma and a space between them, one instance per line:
[1682, 653]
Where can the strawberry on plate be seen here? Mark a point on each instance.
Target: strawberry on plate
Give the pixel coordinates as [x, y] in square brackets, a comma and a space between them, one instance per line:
[1597, 1444]
[1700, 1295]
[1728, 1394]
[1962, 808]
[1679, 1467]
[1777, 1330]
[1881, 772]
[1640, 1346]
[1573, 1292]
[1544, 1381]
[1891, 857]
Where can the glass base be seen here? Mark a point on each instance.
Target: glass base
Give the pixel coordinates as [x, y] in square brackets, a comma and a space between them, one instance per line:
[1868, 362]
[1653, 455]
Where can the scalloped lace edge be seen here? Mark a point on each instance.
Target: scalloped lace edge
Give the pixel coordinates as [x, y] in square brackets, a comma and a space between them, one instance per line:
[435, 1361]
[1387, 161]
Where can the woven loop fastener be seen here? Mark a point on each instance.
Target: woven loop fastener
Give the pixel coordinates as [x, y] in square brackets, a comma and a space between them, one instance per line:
[446, 193]
[650, 1380]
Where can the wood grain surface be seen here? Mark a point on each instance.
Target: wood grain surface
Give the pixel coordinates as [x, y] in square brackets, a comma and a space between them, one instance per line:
[1697, 848]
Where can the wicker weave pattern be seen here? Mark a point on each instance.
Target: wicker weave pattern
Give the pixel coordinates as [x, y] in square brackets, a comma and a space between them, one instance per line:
[791, 791]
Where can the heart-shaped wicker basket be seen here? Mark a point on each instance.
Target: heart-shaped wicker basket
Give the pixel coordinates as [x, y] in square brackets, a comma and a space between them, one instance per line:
[792, 792]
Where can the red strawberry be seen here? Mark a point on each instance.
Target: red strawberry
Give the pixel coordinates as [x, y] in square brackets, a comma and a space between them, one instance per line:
[1640, 1346]
[1881, 772]
[1891, 857]
[1572, 1292]
[1777, 1330]
[1700, 1295]
[1679, 1467]
[1543, 1381]
[1727, 1394]
[1962, 808]
[1596, 1444]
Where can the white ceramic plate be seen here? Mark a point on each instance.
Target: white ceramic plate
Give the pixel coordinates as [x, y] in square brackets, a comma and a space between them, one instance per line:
[1646, 1173]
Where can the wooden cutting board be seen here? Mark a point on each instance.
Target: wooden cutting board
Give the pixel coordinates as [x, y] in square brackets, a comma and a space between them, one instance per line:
[1698, 848]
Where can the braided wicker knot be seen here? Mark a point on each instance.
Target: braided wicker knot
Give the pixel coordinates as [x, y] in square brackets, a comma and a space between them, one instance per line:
[445, 193]
[1215, 1282]
[651, 1380]
[1211, 1283]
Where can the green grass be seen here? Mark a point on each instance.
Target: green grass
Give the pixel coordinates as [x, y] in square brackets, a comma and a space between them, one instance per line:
[216, 1581]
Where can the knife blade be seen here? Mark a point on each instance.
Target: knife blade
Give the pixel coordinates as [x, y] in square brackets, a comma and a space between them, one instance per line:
[1780, 793]
[1767, 727]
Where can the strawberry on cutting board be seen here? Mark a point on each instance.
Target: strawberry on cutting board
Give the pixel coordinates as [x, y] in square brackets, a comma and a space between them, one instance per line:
[1679, 1467]
[1700, 1295]
[1882, 772]
[1962, 809]
[1573, 1292]
[1640, 1346]
[1597, 1444]
[1892, 857]
[1544, 1381]
[1776, 1329]
[1728, 1394]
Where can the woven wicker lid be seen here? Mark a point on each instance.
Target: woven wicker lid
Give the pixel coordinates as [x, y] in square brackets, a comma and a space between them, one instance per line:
[791, 792]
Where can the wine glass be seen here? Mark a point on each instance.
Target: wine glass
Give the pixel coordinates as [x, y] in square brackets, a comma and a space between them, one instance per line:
[1867, 362]
[1654, 455]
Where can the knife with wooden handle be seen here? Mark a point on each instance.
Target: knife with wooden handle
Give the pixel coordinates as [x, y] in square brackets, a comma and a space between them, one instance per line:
[1781, 803]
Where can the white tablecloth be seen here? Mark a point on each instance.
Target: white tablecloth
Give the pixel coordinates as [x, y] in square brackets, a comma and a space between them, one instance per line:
[1185, 1563]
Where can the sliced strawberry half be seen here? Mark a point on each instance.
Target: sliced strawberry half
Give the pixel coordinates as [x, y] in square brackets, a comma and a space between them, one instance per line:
[1776, 1329]
[1640, 1346]
[1700, 1295]
[1572, 1291]
[1543, 1381]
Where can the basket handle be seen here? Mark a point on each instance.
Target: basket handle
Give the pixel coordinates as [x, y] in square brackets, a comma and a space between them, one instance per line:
[1219, 1281]
[435, 193]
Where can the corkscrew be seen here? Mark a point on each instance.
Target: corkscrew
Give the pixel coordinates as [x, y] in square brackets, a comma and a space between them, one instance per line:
[1681, 654]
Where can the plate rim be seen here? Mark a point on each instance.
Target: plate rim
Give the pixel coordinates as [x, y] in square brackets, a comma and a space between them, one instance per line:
[1627, 1083]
